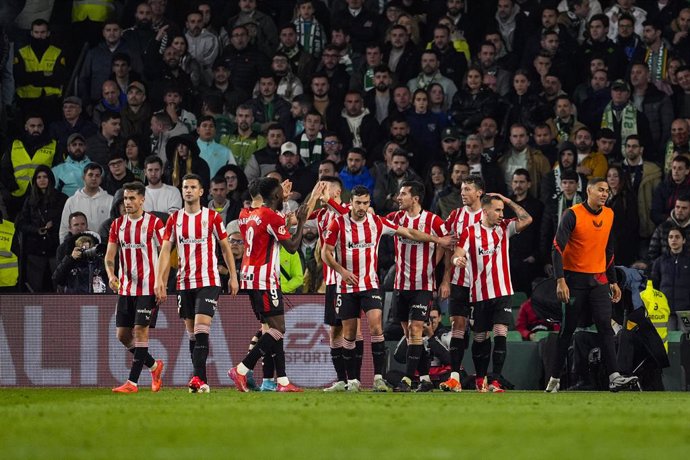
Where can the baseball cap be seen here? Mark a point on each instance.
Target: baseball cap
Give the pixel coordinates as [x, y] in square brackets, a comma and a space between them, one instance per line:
[75, 136]
[620, 85]
[72, 100]
[450, 133]
[288, 147]
[233, 227]
[138, 85]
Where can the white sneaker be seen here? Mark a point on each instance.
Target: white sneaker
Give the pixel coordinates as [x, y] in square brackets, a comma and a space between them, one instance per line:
[380, 385]
[553, 386]
[204, 388]
[622, 382]
[353, 386]
[336, 387]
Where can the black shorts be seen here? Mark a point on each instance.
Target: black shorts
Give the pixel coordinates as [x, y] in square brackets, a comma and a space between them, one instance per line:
[266, 303]
[459, 301]
[412, 305]
[200, 301]
[136, 311]
[330, 314]
[349, 305]
[489, 312]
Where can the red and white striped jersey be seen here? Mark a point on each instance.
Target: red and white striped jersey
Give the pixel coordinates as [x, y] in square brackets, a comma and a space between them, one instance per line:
[488, 265]
[414, 260]
[457, 221]
[323, 217]
[139, 241]
[195, 236]
[262, 229]
[356, 248]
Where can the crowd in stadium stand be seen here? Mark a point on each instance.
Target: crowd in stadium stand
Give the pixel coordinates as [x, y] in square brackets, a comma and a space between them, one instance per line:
[537, 97]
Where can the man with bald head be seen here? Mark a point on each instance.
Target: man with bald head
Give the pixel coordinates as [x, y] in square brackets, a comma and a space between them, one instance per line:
[112, 100]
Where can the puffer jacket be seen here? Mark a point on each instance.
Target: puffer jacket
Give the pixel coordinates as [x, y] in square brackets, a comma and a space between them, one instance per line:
[468, 110]
[670, 275]
[658, 108]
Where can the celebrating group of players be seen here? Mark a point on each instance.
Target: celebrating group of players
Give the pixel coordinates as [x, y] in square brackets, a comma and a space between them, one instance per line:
[472, 242]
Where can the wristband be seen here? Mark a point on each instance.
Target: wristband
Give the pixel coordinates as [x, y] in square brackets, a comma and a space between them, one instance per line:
[454, 260]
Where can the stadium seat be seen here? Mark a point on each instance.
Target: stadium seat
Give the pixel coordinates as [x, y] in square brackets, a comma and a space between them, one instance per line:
[541, 335]
[517, 299]
[514, 336]
[674, 336]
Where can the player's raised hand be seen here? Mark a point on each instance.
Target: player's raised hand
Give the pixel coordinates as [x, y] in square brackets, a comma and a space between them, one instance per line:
[287, 188]
[349, 277]
[302, 213]
[498, 195]
[233, 286]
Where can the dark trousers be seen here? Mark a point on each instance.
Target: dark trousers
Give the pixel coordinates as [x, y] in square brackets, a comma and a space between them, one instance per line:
[587, 302]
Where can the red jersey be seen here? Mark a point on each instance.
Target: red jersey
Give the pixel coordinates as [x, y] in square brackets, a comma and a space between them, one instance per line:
[414, 260]
[356, 248]
[488, 265]
[457, 221]
[195, 236]
[262, 229]
[323, 217]
[139, 241]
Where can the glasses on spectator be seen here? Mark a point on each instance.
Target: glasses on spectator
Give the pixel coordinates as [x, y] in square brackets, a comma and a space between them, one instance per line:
[234, 241]
[330, 143]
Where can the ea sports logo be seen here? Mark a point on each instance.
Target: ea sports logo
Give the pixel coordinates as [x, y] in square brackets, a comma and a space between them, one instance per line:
[307, 349]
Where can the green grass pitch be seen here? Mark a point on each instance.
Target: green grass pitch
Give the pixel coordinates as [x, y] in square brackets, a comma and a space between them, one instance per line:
[95, 424]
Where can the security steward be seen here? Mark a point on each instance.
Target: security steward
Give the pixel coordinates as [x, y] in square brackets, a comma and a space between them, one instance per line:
[9, 265]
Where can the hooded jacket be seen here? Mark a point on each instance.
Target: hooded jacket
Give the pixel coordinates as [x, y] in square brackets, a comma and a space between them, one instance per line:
[658, 245]
[69, 175]
[85, 275]
[37, 212]
[194, 163]
[96, 208]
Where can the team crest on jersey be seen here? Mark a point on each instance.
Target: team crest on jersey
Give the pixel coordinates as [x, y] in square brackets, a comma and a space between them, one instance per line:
[326, 234]
[204, 223]
[281, 230]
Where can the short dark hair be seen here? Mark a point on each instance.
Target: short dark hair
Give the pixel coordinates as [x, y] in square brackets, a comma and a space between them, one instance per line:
[416, 188]
[267, 186]
[606, 133]
[522, 172]
[682, 159]
[359, 190]
[600, 17]
[476, 180]
[678, 229]
[275, 127]
[358, 150]
[329, 162]
[218, 180]
[253, 187]
[91, 166]
[331, 179]
[110, 115]
[76, 214]
[594, 181]
[488, 199]
[135, 186]
[204, 118]
[192, 176]
[152, 159]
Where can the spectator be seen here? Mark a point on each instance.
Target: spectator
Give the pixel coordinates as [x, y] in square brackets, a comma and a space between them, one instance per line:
[493, 76]
[213, 153]
[626, 220]
[301, 62]
[379, 99]
[680, 218]
[452, 61]
[436, 181]
[33, 147]
[524, 264]
[289, 85]
[311, 140]
[118, 174]
[627, 39]
[266, 35]
[117, 209]
[387, 186]
[564, 125]
[213, 105]
[681, 97]
[268, 107]
[122, 73]
[425, 125]
[98, 61]
[520, 155]
[173, 105]
[162, 129]
[92, 200]
[521, 101]
[328, 108]
[361, 23]
[136, 150]
[399, 132]
[77, 225]
[355, 171]
[676, 184]
[71, 122]
[598, 44]
[623, 8]
[400, 54]
[135, 118]
[545, 143]
[291, 167]
[337, 74]
[430, 73]
[246, 62]
[107, 141]
[310, 32]
[670, 272]
[402, 101]
[183, 158]
[264, 160]
[493, 146]
[333, 148]
[590, 163]
[656, 106]
[79, 273]
[38, 222]
[222, 86]
[237, 188]
[161, 198]
[113, 100]
[356, 127]
[219, 197]
[450, 199]
[621, 116]
[597, 98]
[678, 143]
[528, 322]
[141, 35]
[656, 51]
[189, 64]
[644, 177]
[551, 185]
[489, 172]
[606, 144]
[513, 24]
[204, 47]
[246, 141]
[69, 175]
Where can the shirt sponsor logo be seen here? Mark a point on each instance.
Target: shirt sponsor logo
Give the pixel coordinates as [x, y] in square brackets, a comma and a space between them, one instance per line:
[132, 246]
[351, 245]
[182, 240]
[487, 252]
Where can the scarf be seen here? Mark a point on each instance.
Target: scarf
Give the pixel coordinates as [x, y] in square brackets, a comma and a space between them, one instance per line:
[668, 157]
[507, 27]
[310, 35]
[628, 122]
[562, 204]
[657, 62]
[563, 129]
[314, 155]
[423, 81]
[354, 123]
[369, 79]
[557, 177]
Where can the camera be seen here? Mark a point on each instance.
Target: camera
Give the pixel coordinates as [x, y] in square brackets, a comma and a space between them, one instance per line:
[96, 252]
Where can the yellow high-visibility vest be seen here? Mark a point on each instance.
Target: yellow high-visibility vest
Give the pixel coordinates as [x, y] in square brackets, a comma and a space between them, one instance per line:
[25, 166]
[658, 310]
[9, 263]
[45, 65]
[93, 10]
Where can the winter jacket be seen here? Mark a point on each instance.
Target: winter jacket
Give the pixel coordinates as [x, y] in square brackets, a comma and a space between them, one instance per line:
[664, 198]
[261, 163]
[369, 132]
[426, 128]
[520, 109]
[658, 244]
[670, 275]
[537, 165]
[96, 208]
[34, 216]
[468, 110]
[626, 223]
[658, 109]
[61, 130]
[98, 65]
[364, 177]
[246, 65]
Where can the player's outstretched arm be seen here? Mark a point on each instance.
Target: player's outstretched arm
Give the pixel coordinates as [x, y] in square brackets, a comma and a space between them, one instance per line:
[328, 257]
[233, 284]
[162, 271]
[444, 241]
[292, 244]
[444, 288]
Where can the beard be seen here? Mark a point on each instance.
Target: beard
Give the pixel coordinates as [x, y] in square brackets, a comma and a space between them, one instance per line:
[382, 87]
